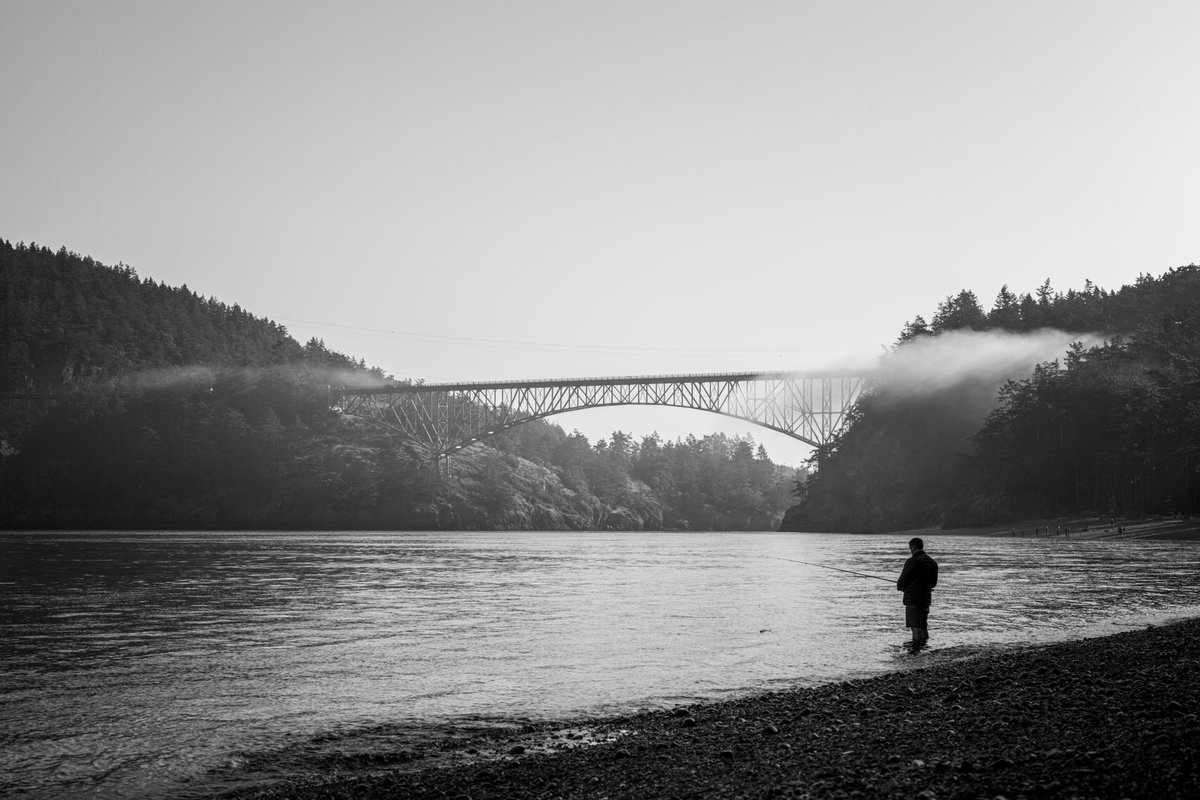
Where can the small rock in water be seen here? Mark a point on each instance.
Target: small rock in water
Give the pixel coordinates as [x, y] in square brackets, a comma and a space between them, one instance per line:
[516, 750]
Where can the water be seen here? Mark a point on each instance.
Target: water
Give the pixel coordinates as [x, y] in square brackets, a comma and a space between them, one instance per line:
[140, 665]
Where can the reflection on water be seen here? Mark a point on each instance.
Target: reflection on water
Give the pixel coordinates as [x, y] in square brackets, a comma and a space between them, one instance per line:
[143, 665]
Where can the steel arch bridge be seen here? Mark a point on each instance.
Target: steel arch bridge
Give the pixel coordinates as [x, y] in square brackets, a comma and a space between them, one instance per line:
[444, 418]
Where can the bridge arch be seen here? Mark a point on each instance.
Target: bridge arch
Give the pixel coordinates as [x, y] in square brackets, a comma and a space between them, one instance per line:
[444, 418]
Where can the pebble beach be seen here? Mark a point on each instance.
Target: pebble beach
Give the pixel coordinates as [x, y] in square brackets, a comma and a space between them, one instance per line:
[1109, 717]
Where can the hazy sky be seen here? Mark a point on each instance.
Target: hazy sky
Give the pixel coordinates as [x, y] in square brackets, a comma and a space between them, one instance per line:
[506, 189]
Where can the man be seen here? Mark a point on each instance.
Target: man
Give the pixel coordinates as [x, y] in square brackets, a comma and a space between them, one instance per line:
[917, 579]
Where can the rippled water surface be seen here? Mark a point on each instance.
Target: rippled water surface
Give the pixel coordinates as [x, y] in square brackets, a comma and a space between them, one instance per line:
[176, 665]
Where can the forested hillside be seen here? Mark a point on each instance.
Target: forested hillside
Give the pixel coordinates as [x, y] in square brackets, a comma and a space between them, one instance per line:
[1111, 427]
[176, 411]
[67, 322]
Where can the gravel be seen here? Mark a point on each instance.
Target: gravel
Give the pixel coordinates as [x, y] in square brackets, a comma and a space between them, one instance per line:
[1109, 717]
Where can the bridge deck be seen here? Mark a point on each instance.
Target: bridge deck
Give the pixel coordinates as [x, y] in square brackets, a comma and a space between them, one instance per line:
[632, 380]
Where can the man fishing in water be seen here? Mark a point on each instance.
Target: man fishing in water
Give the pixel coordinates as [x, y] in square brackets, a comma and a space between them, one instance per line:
[917, 579]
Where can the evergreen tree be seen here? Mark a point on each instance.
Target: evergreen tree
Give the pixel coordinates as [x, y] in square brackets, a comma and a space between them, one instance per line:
[961, 311]
[1006, 311]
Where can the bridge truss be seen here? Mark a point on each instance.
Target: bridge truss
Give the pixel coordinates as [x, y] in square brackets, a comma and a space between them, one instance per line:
[445, 418]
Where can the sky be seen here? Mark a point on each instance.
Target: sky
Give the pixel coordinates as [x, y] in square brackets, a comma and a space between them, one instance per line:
[470, 190]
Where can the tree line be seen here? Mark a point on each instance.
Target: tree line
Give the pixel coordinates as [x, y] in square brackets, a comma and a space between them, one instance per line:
[261, 449]
[178, 411]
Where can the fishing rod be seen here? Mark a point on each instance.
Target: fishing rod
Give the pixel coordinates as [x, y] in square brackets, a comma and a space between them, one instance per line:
[837, 569]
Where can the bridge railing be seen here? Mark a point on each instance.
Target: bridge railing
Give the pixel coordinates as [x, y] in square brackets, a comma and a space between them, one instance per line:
[706, 377]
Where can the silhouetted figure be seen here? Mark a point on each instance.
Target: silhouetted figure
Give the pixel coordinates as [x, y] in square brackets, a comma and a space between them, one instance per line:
[917, 579]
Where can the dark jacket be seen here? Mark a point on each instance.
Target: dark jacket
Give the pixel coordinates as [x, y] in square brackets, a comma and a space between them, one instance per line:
[917, 579]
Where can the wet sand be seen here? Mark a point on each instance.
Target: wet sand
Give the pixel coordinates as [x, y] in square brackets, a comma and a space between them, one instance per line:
[1108, 717]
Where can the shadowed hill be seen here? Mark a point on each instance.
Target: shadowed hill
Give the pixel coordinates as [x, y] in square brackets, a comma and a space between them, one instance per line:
[177, 411]
[1110, 424]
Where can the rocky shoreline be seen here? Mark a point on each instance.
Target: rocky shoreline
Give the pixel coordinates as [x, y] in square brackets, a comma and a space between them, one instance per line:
[1109, 717]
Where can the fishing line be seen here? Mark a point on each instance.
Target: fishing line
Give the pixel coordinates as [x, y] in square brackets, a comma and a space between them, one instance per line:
[836, 569]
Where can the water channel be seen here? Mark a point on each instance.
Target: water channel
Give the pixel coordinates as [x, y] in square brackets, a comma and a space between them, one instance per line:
[148, 665]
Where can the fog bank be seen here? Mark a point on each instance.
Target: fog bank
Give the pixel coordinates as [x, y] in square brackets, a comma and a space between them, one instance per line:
[936, 363]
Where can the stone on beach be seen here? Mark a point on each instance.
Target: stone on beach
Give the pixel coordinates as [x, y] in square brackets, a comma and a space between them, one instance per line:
[1110, 717]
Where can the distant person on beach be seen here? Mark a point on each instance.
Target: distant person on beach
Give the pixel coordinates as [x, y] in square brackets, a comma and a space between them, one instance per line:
[917, 579]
